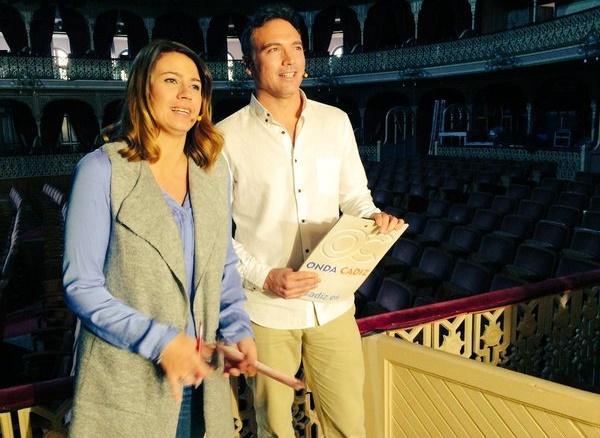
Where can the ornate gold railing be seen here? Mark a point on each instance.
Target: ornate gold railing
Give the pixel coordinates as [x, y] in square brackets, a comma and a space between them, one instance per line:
[549, 329]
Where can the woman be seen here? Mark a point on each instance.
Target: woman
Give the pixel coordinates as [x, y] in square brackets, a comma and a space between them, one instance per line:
[148, 233]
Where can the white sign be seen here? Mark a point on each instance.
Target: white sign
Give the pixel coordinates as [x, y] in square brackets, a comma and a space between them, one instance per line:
[346, 256]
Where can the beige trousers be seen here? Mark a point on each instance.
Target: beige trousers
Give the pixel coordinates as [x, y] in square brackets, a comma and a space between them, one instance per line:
[331, 355]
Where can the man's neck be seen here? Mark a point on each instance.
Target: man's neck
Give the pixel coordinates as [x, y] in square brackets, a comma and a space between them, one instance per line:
[282, 109]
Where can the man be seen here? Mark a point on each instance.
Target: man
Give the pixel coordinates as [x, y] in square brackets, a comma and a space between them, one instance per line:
[294, 164]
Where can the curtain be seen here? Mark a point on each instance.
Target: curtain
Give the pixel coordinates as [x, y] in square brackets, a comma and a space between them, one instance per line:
[216, 38]
[13, 28]
[76, 27]
[323, 28]
[42, 26]
[104, 31]
[137, 34]
[179, 27]
[388, 25]
[51, 123]
[84, 123]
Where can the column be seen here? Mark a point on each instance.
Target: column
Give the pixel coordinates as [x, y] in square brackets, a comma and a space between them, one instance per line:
[362, 11]
[534, 13]
[529, 109]
[91, 30]
[415, 7]
[473, 4]
[594, 111]
[362, 111]
[308, 20]
[27, 20]
[204, 23]
[470, 115]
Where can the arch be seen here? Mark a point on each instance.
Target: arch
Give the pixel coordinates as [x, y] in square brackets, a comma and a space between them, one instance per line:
[324, 25]
[112, 112]
[225, 107]
[443, 20]
[425, 113]
[106, 26]
[218, 31]
[561, 102]
[81, 116]
[389, 24]
[23, 123]
[13, 28]
[41, 28]
[74, 25]
[376, 108]
[500, 106]
[180, 27]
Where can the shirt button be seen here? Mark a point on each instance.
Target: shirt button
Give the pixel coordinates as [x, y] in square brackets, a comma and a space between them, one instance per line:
[295, 160]
[306, 250]
[283, 132]
[266, 120]
[303, 220]
[299, 190]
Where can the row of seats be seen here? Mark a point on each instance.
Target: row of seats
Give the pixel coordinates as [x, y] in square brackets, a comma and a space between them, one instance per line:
[38, 330]
[475, 237]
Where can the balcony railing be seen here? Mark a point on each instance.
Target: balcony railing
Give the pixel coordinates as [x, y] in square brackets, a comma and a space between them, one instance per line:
[497, 50]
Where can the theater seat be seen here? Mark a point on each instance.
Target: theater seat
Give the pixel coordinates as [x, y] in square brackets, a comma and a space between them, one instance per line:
[585, 243]
[503, 205]
[494, 252]
[463, 240]
[564, 214]
[515, 227]
[551, 235]
[404, 254]
[532, 263]
[392, 295]
[504, 281]
[468, 278]
[531, 209]
[568, 265]
[434, 267]
[573, 199]
[591, 220]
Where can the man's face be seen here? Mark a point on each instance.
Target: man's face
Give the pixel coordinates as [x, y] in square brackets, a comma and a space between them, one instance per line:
[278, 59]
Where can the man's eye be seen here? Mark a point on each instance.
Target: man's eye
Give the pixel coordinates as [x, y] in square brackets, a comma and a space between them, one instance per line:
[273, 50]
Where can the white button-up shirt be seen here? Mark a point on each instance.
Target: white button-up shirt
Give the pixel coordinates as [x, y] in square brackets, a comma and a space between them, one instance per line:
[286, 197]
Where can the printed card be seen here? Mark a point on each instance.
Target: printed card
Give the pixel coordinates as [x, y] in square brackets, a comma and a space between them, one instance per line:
[346, 256]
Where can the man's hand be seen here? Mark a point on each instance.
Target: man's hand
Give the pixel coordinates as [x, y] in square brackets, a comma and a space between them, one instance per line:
[288, 283]
[386, 223]
[182, 364]
[245, 364]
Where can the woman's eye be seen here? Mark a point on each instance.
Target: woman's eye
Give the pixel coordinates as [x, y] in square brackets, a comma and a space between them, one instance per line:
[196, 87]
[171, 80]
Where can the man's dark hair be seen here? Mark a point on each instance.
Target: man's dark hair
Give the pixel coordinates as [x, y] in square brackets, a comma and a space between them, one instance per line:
[261, 16]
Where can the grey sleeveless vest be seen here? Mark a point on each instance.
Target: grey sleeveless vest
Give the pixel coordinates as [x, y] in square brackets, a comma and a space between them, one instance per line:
[122, 394]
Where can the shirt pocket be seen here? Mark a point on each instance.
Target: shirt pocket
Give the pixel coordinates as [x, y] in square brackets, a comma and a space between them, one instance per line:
[328, 175]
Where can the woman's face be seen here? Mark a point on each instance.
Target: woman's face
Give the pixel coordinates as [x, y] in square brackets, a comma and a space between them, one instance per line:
[175, 94]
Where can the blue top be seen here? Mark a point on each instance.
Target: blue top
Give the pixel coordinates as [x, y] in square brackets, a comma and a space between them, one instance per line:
[86, 243]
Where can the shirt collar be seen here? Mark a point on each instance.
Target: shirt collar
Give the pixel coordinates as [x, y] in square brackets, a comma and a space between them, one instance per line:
[262, 113]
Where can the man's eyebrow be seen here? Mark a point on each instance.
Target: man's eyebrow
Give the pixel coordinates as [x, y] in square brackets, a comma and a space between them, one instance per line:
[274, 43]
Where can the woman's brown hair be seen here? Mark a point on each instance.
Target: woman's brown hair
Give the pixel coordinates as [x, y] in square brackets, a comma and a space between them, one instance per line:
[139, 129]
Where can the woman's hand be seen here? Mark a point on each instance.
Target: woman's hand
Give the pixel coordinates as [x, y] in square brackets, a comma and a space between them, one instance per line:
[183, 364]
[241, 360]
